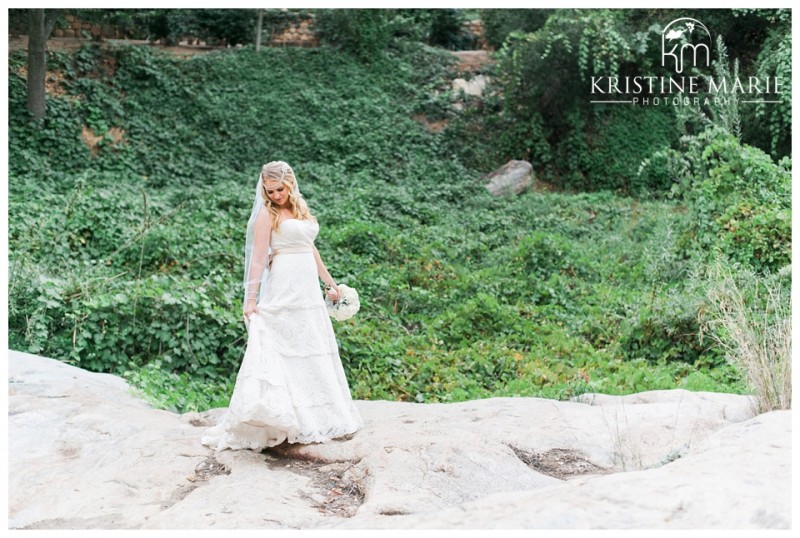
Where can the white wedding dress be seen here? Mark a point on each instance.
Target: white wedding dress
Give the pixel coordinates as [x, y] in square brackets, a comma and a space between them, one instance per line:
[291, 384]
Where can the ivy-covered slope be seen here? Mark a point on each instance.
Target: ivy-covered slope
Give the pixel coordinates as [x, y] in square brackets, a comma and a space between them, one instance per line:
[129, 259]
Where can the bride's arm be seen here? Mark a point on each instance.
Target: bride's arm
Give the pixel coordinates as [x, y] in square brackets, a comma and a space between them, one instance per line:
[322, 271]
[262, 233]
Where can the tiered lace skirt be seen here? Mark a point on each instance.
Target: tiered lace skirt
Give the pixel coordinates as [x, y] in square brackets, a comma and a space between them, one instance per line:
[291, 384]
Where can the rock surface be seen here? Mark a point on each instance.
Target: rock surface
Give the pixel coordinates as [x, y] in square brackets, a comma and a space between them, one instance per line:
[473, 86]
[513, 177]
[84, 452]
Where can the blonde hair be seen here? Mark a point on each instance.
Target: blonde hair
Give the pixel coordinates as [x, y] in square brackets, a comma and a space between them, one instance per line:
[281, 171]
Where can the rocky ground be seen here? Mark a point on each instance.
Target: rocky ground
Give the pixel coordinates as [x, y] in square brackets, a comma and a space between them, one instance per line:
[85, 453]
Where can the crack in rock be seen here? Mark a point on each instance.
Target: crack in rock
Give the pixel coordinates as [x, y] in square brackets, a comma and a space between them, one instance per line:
[111, 521]
[207, 468]
[203, 472]
[559, 462]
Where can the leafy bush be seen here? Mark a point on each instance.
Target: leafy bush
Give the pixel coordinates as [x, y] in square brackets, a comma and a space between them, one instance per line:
[106, 324]
[542, 254]
[179, 393]
[545, 115]
[773, 121]
[668, 330]
[215, 26]
[739, 200]
[499, 23]
[537, 106]
[447, 30]
[364, 33]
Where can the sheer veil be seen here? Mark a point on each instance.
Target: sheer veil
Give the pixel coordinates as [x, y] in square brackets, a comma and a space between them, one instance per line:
[256, 249]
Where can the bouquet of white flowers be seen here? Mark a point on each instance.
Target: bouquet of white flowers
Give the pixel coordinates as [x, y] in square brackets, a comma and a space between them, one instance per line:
[346, 306]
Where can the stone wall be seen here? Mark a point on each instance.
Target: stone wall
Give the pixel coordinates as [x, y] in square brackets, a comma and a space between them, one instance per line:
[476, 28]
[300, 34]
[296, 35]
[75, 28]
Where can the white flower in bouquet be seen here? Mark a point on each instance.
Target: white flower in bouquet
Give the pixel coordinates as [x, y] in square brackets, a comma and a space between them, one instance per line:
[346, 306]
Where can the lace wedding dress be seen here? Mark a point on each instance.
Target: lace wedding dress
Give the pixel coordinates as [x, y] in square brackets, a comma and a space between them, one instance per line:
[291, 384]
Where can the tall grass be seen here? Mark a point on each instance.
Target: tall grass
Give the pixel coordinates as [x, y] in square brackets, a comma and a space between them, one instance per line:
[750, 317]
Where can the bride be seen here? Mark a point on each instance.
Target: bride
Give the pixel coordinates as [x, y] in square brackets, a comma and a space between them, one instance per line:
[291, 384]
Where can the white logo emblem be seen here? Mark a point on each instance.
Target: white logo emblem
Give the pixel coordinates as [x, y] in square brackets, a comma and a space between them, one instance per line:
[685, 34]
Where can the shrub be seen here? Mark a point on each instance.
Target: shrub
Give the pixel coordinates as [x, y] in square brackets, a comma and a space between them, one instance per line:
[667, 330]
[775, 60]
[545, 114]
[179, 393]
[447, 30]
[499, 23]
[364, 33]
[739, 198]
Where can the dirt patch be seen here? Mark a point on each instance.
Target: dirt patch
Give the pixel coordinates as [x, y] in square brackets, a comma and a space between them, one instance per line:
[472, 60]
[559, 463]
[339, 484]
[544, 186]
[430, 126]
[188, 51]
[92, 140]
[53, 81]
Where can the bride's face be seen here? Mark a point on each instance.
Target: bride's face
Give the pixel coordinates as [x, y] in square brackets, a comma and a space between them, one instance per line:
[278, 192]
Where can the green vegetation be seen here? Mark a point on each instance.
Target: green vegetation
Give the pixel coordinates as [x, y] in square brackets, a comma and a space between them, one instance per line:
[539, 109]
[126, 258]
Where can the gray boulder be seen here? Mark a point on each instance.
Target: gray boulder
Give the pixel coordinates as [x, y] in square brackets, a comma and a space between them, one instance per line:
[513, 177]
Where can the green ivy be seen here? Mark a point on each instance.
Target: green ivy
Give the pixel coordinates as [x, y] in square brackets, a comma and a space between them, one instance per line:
[128, 261]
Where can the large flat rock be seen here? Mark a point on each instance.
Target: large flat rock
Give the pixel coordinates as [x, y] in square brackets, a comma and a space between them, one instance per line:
[84, 452]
